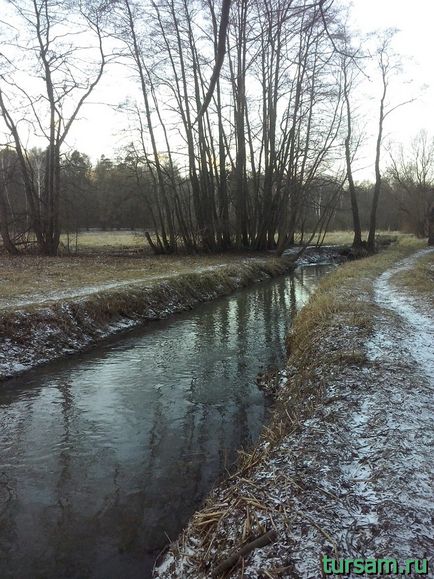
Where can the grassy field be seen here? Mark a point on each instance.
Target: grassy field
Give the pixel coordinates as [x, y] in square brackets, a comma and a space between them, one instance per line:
[27, 278]
[107, 259]
[89, 241]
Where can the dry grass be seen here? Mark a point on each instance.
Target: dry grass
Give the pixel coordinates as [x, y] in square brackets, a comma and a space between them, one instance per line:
[105, 241]
[32, 278]
[346, 237]
[329, 333]
[131, 240]
[420, 278]
[342, 292]
[134, 240]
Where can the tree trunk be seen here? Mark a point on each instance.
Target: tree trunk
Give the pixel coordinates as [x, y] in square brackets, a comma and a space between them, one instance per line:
[357, 241]
[4, 229]
[377, 188]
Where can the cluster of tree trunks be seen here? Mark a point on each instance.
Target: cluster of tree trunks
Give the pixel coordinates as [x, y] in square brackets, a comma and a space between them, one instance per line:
[256, 139]
[242, 109]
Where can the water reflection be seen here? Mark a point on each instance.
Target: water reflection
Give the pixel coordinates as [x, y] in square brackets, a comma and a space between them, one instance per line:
[105, 455]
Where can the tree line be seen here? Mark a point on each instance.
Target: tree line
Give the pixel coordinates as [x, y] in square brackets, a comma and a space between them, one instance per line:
[244, 130]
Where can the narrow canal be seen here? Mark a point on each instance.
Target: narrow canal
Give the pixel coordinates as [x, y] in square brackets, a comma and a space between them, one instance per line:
[105, 455]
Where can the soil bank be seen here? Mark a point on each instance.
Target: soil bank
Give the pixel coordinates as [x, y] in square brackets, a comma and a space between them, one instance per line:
[37, 333]
[345, 468]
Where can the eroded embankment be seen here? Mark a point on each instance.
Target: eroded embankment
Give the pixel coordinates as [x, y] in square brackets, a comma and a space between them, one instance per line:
[344, 469]
[35, 334]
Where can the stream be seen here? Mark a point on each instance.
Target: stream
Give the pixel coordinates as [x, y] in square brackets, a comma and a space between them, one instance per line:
[106, 454]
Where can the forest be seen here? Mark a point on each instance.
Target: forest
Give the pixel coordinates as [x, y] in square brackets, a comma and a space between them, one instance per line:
[245, 128]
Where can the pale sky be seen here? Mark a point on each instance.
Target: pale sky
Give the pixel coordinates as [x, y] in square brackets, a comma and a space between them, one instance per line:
[101, 131]
[415, 42]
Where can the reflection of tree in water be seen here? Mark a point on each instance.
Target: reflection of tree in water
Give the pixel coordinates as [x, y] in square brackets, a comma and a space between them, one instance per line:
[161, 438]
[16, 414]
[293, 308]
[70, 534]
[8, 528]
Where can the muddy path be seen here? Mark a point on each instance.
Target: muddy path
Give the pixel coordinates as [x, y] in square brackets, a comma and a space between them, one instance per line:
[357, 480]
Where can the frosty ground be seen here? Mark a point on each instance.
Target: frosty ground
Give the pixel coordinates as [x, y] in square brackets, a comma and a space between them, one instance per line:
[345, 468]
[53, 306]
[45, 326]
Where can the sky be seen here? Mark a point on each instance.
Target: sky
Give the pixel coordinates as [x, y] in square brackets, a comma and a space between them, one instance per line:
[100, 130]
[415, 42]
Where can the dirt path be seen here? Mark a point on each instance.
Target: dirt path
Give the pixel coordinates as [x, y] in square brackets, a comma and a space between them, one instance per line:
[358, 480]
[413, 311]
[51, 296]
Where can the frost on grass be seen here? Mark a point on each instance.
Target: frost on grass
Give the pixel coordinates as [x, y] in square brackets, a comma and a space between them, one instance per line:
[50, 327]
[353, 478]
[414, 312]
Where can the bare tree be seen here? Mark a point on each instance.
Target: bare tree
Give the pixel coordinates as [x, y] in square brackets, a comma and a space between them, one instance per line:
[219, 55]
[350, 71]
[45, 104]
[387, 65]
[7, 169]
[412, 178]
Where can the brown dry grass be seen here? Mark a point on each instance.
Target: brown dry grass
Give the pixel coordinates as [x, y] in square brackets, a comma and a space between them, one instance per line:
[33, 278]
[341, 292]
[105, 241]
[346, 237]
[89, 241]
[420, 278]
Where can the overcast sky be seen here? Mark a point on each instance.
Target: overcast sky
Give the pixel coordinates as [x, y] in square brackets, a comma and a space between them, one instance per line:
[101, 131]
[415, 41]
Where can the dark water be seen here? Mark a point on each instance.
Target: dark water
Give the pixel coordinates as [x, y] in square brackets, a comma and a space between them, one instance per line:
[105, 455]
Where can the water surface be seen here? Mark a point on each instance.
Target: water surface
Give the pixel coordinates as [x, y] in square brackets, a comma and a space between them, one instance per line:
[105, 455]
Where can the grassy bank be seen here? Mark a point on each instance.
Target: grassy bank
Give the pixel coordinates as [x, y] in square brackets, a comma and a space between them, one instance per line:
[330, 333]
[327, 347]
[420, 278]
[31, 279]
[37, 332]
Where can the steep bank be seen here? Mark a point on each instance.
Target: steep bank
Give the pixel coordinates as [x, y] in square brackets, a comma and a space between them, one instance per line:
[344, 467]
[40, 332]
